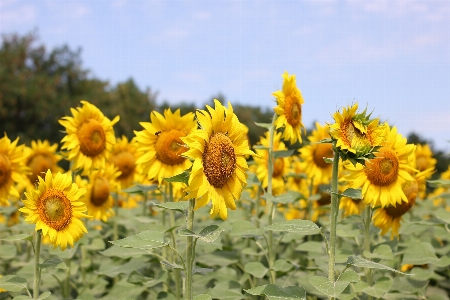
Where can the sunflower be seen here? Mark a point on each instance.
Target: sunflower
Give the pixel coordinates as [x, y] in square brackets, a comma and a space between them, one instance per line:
[289, 109]
[351, 206]
[355, 133]
[55, 208]
[423, 161]
[100, 184]
[313, 156]
[124, 156]
[42, 157]
[280, 165]
[382, 177]
[296, 179]
[218, 152]
[12, 168]
[90, 137]
[389, 217]
[160, 146]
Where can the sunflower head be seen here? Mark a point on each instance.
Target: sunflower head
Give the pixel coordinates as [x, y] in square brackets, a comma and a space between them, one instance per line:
[289, 109]
[218, 150]
[357, 136]
[55, 208]
[89, 137]
[41, 157]
[124, 156]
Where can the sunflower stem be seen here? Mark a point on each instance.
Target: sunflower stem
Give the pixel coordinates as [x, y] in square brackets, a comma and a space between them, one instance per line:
[271, 205]
[333, 215]
[367, 220]
[37, 273]
[116, 213]
[67, 280]
[190, 251]
[177, 272]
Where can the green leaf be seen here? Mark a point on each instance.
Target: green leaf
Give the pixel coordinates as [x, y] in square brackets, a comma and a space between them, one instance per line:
[352, 193]
[305, 227]
[324, 285]
[439, 182]
[201, 270]
[419, 254]
[187, 232]
[256, 269]
[44, 295]
[22, 297]
[328, 160]
[274, 292]
[350, 276]
[182, 177]
[172, 265]
[181, 206]
[282, 199]
[364, 263]
[311, 246]
[264, 125]
[8, 251]
[443, 215]
[18, 237]
[281, 265]
[116, 251]
[145, 240]
[13, 283]
[382, 251]
[324, 141]
[202, 297]
[140, 188]
[53, 263]
[210, 233]
[282, 153]
[381, 287]
[245, 228]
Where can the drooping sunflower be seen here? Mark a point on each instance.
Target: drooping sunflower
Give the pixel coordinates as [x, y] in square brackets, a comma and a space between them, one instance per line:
[218, 152]
[12, 168]
[42, 156]
[289, 109]
[355, 133]
[56, 209]
[313, 156]
[124, 156]
[89, 137]
[382, 177]
[351, 206]
[280, 165]
[160, 146]
[98, 199]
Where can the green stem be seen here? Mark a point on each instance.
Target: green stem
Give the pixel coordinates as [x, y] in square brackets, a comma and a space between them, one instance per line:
[37, 273]
[333, 216]
[177, 272]
[258, 201]
[270, 203]
[367, 221]
[190, 251]
[116, 213]
[67, 280]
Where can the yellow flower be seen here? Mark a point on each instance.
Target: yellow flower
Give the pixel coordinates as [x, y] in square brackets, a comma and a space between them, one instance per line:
[100, 184]
[312, 155]
[296, 210]
[160, 146]
[55, 208]
[351, 206]
[423, 161]
[382, 177]
[389, 217]
[42, 157]
[280, 165]
[12, 168]
[296, 180]
[124, 156]
[321, 206]
[218, 152]
[90, 137]
[289, 109]
[355, 132]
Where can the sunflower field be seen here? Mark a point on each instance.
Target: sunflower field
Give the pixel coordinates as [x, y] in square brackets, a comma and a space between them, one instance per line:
[189, 209]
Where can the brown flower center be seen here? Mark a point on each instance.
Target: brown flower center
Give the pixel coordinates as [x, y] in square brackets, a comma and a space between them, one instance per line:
[100, 191]
[320, 151]
[219, 160]
[278, 167]
[39, 163]
[169, 147]
[325, 199]
[92, 138]
[383, 170]
[410, 188]
[292, 110]
[5, 170]
[55, 209]
[125, 162]
[421, 163]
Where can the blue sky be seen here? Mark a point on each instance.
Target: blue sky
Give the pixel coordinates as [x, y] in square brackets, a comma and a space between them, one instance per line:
[393, 56]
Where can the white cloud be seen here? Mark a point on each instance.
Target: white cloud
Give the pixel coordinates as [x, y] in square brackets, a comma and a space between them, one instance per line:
[12, 13]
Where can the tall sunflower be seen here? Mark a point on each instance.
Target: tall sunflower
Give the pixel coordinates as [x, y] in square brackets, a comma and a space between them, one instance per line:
[89, 137]
[423, 161]
[280, 165]
[160, 144]
[100, 184]
[313, 156]
[12, 168]
[382, 177]
[218, 152]
[55, 208]
[289, 109]
[42, 156]
[124, 156]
